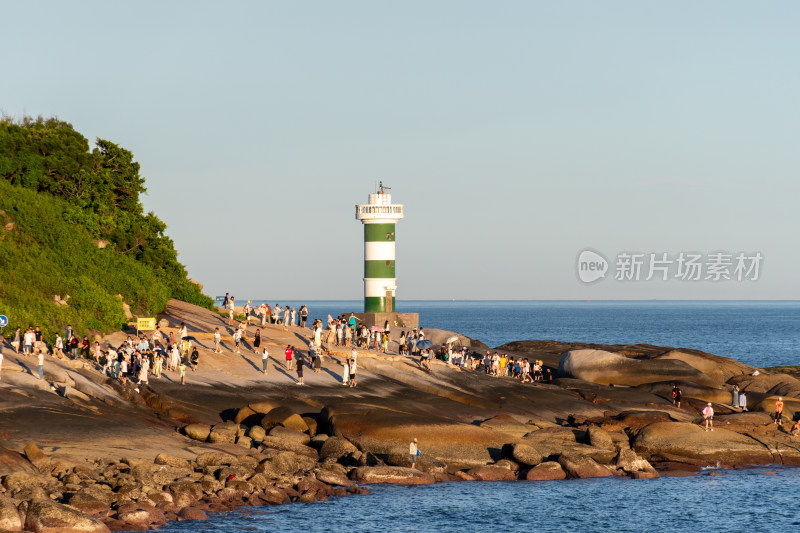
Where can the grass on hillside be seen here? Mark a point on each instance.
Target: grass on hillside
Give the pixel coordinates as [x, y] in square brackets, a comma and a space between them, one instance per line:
[42, 254]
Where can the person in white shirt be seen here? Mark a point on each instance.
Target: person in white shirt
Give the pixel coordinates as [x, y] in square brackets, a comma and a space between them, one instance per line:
[413, 450]
[217, 341]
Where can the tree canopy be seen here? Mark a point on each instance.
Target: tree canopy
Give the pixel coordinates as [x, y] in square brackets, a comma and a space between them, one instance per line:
[102, 187]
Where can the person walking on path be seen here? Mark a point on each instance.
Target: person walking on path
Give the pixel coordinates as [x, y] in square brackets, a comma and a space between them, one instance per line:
[735, 396]
[265, 361]
[300, 371]
[413, 450]
[779, 412]
[15, 343]
[289, 353]
[708, 416]
[217, 341]
[237, 339]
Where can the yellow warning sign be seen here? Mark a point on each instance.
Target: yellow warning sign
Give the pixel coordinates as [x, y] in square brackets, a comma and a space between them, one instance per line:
[145, 324]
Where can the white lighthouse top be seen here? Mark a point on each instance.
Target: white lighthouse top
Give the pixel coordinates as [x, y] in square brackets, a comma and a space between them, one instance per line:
[380, 208]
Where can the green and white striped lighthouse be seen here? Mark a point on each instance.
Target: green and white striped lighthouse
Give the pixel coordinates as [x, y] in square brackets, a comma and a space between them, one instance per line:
[379, 217]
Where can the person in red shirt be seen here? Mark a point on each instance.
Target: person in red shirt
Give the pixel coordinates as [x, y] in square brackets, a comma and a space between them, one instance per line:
[289, 353]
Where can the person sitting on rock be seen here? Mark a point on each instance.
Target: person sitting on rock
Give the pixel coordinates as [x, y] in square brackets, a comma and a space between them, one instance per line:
[708, 416]
[796, 428]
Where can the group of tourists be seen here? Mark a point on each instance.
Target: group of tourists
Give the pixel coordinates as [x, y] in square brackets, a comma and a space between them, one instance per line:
[135, 359]
[266, 314]
[30, 343]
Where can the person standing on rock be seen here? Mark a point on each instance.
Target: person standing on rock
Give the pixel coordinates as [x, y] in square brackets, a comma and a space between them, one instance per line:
[40, 356]
[353, 372]
[257, 341]
[742, 401]
[735, 396]
[265, 360]
[182, 368]
[708, 415]
[289, 353]
[303, 316]
[779, 412]
[413, 450]
[300, 370]
[676, 396]
[346, 372]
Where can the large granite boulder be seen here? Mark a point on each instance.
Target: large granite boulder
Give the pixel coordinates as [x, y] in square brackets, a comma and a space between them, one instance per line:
[10, 519]
[197, 431]
[547, 471]
[336, 447]
[396, 475]
[387, 432]
[507, 424]
[526, 454]
[690, 443]
[554, 441]
[719, 369]
[46, 516]
[608, 368]
[492, 473]
[292, 435]
[283, 416]
[689, 390]
[580, 466]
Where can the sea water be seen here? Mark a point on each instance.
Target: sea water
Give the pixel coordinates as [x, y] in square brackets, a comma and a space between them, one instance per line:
[748, 500]
[757, 333]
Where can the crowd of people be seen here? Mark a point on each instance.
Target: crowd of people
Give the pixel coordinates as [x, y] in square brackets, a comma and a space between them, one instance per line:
[140, 357]
[135, 359]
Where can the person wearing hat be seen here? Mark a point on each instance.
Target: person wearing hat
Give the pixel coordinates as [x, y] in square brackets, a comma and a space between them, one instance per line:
[779, 412]
[708, 415]
[414, 451]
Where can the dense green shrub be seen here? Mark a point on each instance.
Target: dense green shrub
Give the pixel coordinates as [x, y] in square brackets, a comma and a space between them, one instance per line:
[57, 198]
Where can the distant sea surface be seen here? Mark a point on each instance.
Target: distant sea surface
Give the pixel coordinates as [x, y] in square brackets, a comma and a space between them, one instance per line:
[757, 333]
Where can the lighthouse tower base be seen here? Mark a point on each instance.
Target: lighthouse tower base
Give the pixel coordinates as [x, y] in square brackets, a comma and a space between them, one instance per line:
[397, 321]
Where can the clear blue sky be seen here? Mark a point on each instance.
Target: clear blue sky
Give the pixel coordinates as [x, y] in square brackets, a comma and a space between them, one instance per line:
[515, 133]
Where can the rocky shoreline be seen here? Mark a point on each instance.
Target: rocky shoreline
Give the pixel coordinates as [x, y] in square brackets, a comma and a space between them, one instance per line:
[83, 452]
